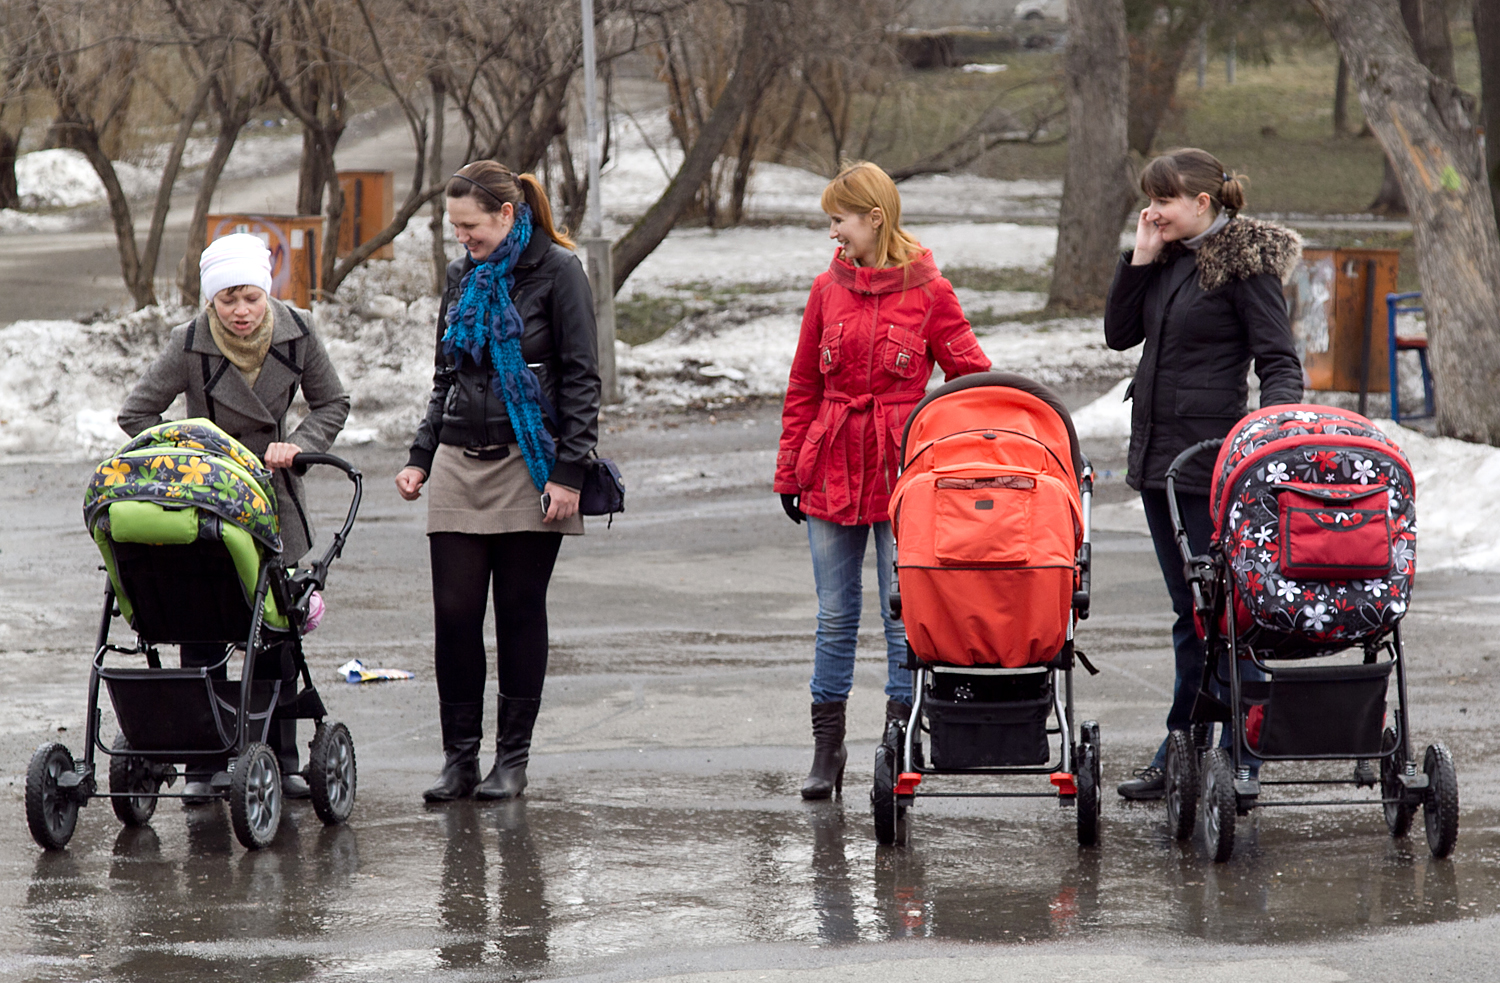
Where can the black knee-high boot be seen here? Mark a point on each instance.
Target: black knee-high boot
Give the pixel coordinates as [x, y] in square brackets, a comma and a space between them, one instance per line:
[507, 779]
[463, 727]
[827, 775]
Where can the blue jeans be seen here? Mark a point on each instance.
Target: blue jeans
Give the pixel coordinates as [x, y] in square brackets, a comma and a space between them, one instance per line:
[838, 555]
[1187, 647]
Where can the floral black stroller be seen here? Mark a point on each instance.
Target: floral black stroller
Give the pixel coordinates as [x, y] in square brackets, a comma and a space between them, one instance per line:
[185, 518]
[1306, 581]
[991, 517]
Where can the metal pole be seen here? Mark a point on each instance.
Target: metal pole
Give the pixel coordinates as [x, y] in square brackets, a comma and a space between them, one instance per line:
[598, 248]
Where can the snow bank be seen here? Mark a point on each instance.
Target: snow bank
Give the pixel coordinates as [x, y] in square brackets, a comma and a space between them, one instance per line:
[65, 179]
[1108, 417]
[1457, 526]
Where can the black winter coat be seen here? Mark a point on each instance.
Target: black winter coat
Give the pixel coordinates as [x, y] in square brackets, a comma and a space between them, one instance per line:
[558, 341]
[1204, 316]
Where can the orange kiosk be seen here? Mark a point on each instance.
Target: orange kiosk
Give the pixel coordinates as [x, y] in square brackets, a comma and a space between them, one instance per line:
[369, 206]
[294, 244]
[1336, 301]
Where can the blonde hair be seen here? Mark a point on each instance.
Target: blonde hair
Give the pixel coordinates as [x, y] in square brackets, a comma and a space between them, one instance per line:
[860, 188]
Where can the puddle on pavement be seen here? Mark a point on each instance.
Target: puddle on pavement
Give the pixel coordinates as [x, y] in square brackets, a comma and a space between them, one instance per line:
[575, 873]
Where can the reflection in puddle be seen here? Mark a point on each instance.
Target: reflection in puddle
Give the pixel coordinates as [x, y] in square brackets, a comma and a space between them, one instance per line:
[518, 888]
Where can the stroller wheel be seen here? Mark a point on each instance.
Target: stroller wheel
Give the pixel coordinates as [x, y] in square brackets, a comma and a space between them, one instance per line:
[1398, 806]
[51, 812]
[890, 815]
[131, 774]
[331, 773]
[1219, 805]
[1087, 769]
[255, 797]
[1182, 784]
[1440, 806]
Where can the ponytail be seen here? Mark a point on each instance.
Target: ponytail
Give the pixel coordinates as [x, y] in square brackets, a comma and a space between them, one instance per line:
[1194, 172]
[541, 210]
[493, 185]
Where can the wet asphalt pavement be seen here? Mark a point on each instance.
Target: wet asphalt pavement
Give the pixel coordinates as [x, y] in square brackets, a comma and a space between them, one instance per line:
[662, 835]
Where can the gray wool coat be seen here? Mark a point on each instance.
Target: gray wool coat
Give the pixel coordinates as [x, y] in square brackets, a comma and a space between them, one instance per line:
[192, 364]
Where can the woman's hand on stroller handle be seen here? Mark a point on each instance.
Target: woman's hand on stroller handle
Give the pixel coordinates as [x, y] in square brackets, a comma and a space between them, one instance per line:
[280, 455]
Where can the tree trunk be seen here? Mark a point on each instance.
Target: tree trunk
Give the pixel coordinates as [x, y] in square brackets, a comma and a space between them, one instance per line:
[1427, 128]
[1388, 200]
[187, 274]
[141, 288]
[169, 178]
[1096, 186]
[1155, 64]
[10, 196]
[313, 175]
[439, 88]
[1341, 100]
[1427, 23]
[1487, 34]
[752, 67]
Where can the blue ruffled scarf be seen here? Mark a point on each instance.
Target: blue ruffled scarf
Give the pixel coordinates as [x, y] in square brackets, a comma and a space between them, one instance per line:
[485, 322]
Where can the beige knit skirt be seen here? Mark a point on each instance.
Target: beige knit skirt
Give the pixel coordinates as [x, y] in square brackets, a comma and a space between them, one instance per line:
[482, 498]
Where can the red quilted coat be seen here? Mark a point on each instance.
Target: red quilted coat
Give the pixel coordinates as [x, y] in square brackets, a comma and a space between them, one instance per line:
[869, 338]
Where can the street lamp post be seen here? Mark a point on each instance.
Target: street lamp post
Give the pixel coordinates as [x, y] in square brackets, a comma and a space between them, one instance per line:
[597, 247]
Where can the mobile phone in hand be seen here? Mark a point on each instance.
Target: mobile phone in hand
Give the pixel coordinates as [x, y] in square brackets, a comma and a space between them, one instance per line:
[546, 502]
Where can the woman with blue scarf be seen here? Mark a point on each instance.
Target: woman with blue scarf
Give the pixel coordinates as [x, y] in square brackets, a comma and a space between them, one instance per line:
[502, 450]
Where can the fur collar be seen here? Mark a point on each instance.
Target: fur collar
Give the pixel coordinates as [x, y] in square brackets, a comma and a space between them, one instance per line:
[1243, 248]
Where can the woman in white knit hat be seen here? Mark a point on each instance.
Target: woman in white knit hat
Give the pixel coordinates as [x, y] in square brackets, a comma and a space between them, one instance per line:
[240, 363]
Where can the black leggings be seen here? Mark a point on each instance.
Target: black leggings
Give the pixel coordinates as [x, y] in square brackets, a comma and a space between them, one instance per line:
[463, 567]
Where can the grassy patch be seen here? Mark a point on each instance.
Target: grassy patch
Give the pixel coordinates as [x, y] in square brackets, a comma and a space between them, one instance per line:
[986, 278]
[645, 318]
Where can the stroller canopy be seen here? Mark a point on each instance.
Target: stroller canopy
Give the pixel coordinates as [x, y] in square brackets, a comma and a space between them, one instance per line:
[189, 463]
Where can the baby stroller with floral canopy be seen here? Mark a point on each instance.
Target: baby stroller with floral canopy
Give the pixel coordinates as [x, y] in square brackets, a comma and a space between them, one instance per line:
[1307, 577]
[185, 519]
[991, 518]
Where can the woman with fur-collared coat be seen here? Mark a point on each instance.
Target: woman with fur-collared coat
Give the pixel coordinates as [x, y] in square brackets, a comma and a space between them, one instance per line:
[240, 363]
[875, 323]
[1202, 289]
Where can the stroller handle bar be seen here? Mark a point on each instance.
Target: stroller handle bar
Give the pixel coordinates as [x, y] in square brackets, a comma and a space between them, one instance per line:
[300, 464]
[1197, 569]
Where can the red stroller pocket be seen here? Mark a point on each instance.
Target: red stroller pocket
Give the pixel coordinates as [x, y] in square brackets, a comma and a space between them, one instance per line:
[1335, 532]
[984, 521]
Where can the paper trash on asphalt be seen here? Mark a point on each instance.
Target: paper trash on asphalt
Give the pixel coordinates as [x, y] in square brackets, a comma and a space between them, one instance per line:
[354, 671]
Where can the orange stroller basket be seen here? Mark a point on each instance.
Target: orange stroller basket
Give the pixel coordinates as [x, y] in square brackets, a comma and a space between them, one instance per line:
[991, 519]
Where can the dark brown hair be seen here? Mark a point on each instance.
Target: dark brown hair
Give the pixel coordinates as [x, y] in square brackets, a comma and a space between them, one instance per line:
[492, 185]
[1192, 172]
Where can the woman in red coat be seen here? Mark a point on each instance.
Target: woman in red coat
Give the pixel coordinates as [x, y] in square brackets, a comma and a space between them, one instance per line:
[876, 321]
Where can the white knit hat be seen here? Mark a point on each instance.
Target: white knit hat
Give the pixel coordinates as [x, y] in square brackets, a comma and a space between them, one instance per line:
[234, 260]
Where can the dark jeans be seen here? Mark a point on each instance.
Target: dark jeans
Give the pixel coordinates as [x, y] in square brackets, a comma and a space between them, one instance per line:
[464, 568]
[1187, 647]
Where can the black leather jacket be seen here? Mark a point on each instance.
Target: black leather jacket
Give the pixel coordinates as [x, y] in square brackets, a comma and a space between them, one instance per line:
[559, 343]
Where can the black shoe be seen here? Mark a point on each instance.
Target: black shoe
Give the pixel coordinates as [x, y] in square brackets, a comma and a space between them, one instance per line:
[462, 729]
[829, 754]
[197, 793]
[1149, 783]
[294, 786]
[507, 779]
[896, 710]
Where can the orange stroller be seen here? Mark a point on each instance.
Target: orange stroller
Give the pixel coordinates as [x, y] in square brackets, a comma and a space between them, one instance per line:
[991, 518]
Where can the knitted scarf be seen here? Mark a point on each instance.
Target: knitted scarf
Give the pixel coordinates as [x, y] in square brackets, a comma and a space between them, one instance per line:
[246, 352]
[483, 323]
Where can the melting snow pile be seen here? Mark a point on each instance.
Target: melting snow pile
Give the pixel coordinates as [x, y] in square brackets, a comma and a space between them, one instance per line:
[65, 179]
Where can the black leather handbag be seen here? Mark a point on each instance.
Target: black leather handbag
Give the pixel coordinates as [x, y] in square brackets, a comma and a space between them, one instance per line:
[603, 491]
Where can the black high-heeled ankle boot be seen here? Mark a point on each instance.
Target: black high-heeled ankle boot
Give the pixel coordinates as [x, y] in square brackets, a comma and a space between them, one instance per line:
[507, 779]
[829, 754]
[463, 727]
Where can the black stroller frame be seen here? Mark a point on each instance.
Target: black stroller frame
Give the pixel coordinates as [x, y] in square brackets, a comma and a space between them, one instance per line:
[232, 717]
[1215, 786]
[1076, 771]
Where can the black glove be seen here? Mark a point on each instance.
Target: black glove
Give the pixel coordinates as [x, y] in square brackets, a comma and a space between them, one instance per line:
[789, 506]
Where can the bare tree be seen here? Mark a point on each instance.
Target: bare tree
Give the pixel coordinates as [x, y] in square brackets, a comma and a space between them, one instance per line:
[1487, 34]
[1096, 187]
[1426, 125]
[78, 51]
[761, 26]
[1162, 32]
[998, 123]
[219, 44]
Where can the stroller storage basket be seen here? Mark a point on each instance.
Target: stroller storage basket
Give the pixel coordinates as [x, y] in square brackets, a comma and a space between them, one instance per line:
[984, 721]
[202, 710]
[1325, 710]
